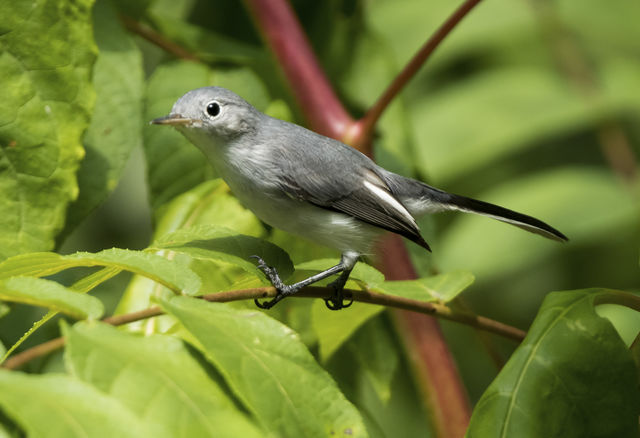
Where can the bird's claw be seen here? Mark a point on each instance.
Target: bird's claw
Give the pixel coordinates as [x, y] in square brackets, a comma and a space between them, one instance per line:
[336, 300]
[282, 292]
[266, 305]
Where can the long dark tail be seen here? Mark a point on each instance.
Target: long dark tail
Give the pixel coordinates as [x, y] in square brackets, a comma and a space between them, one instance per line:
[420, 198]
[462, 203]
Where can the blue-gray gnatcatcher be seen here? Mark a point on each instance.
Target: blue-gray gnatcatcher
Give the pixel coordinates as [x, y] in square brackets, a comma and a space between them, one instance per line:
[314, 186]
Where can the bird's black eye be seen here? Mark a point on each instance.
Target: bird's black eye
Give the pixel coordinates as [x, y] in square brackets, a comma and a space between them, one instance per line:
[213, 109]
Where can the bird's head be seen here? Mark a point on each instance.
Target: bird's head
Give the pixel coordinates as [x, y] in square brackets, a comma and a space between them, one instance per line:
[211, 113]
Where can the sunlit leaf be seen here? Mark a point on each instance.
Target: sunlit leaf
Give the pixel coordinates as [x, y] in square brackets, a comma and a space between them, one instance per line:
[58, 406]
[153, 376]
[211, 242]
[82, 286]
[51, 295]
[269, 369]
[169, 273]
[47, 52]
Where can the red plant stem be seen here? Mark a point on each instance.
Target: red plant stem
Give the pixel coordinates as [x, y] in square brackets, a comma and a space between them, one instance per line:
[366, 125]
[283, 34]
[434, 367]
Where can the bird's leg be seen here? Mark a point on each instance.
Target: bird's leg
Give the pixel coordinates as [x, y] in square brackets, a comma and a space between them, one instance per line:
[284, 290]
[336, 301]
[345, 266]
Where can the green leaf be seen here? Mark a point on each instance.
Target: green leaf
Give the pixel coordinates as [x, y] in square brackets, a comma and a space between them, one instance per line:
[442, 287]
[52, 406]
[83, 285]
[115, 128]
[172, 274]
[47, 52]
[564, 198]
[334, 328]
[167, 272]
[269, 369]
[205, 242]
[52, 295]
[156, 378]
[38, 264]
[571, 377]
[208, 203]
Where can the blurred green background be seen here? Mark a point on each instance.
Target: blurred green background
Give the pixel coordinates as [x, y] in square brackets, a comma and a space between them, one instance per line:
[533, 105]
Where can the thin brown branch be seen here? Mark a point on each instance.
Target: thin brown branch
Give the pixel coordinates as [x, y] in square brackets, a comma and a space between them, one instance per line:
[369, 297]
[156, 39]
[18, 360]
[626, 299]
[368, 122]
[127, 318]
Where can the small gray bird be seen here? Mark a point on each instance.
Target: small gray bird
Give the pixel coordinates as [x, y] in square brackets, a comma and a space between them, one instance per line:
[314, 186]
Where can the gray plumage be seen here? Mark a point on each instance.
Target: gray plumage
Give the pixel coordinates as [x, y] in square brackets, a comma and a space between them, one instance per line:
[308, 184]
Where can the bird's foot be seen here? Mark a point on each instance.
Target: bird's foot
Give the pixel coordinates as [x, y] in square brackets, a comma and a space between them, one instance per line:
[282, 290]
[336, 300]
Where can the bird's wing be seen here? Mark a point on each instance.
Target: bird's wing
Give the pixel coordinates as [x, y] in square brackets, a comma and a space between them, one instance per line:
[341, 179]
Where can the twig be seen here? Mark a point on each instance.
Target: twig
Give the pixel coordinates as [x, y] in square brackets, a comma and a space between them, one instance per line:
[369, 297]
[17, 360]
[155, 38]
[368, 122]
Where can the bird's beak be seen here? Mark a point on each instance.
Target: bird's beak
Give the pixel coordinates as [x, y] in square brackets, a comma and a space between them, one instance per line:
[172, 119]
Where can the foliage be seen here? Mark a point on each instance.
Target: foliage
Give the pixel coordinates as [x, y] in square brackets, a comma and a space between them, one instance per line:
[532, 105]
